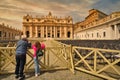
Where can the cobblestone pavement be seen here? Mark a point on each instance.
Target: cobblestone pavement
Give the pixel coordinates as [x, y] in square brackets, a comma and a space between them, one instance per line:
[54, 75]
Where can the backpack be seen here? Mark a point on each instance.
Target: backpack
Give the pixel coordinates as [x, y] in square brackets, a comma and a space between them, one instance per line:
[39, 52]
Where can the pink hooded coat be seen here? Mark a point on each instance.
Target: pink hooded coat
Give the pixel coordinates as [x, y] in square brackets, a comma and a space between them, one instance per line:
[35, 49]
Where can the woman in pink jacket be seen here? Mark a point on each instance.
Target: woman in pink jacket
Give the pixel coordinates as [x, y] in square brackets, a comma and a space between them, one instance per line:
[35, 47]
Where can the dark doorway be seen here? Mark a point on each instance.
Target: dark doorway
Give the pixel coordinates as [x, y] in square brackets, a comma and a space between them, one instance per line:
[39, 34]
[68, 34]
[27, 34]
[58, 35]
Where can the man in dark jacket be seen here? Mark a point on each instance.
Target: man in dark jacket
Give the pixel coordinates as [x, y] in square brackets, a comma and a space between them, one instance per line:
[21, 49]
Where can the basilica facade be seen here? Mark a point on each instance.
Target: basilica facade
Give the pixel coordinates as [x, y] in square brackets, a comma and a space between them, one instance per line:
[48, 26]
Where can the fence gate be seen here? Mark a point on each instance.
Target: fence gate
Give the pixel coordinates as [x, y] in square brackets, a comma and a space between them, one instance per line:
[57, 57]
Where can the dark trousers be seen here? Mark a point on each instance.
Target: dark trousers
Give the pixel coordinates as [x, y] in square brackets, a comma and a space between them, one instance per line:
[20, 62]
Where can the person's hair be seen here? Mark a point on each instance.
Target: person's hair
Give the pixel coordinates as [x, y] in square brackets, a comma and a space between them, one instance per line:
[24, 39]
[37, 44]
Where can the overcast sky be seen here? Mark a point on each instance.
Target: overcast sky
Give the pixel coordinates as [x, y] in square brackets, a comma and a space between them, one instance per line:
[12, 11]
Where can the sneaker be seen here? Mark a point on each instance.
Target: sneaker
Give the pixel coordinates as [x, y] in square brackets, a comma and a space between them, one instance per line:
[22, 78]
[17, 76]
[36, 75]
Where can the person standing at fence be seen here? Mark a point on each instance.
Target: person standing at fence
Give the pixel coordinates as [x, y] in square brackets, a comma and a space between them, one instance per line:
[36, 47]
[21, 50]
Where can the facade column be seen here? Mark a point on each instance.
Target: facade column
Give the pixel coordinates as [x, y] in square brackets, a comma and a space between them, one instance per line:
[71, 35]
[60, 32]
[51, 32]
[42, 31]
[36, 31]
[65, 32]
[46, 32]
[30, 31]
[116, 32]
[24, 30]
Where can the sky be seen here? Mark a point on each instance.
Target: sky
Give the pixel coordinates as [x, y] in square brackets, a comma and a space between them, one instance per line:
[12, 11]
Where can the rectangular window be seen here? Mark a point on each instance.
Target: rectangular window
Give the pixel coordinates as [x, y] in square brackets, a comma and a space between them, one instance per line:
[97, 34]
[104, 34]
[92, 34]
[44, 35]
[112, 26]
[0, 34]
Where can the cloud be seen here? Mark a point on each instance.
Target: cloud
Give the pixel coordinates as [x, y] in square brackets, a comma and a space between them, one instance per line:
[14, 10]
[12, 23]
[108, 6]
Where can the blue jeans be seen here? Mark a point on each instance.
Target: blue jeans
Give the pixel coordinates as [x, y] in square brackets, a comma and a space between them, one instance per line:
[36, 63]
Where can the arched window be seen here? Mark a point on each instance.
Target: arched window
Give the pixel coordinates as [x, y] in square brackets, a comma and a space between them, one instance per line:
[104, 34]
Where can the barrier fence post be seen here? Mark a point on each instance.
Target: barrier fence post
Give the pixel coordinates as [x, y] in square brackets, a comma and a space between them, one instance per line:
[71, 59]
